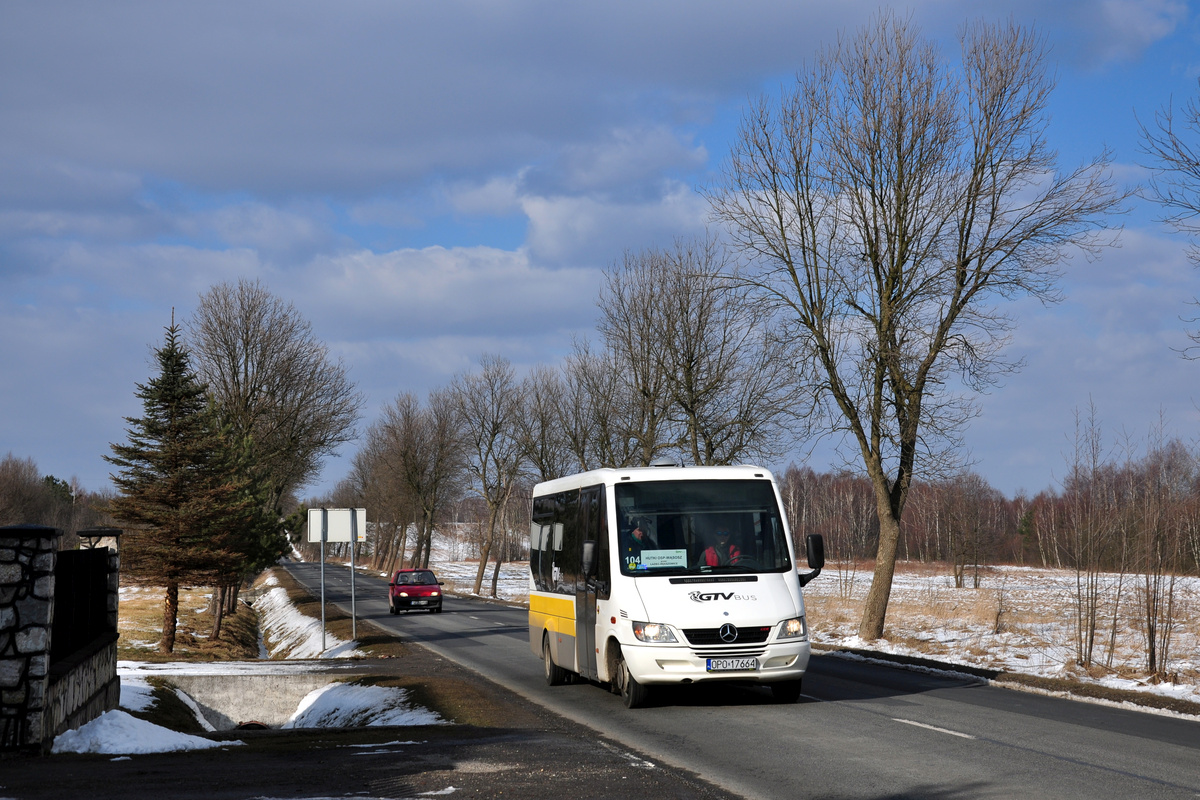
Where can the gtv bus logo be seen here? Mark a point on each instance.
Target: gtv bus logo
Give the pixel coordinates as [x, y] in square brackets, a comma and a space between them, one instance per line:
[705, 597]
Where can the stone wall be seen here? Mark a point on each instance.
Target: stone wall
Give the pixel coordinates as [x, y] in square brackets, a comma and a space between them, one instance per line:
[39, 698]
[27, 556]
[82, 687]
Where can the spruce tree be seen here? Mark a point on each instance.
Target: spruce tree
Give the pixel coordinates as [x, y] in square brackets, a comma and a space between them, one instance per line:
[181, 491]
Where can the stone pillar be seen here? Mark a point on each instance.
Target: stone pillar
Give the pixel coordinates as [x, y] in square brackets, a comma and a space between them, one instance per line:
[27, 557]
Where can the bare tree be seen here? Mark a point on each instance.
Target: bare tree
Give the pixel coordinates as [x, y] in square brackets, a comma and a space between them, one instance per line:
[425, 451]
[1173, 147]
[23, 496]
[884, 208]
[273, 381]
[392, 506]
[628, 322]
[724, 373]
[545, 427]
[489, 403]
[601, 411]
[1174, 151]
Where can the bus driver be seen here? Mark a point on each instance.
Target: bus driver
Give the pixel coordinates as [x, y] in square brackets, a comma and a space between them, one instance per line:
[721, 553]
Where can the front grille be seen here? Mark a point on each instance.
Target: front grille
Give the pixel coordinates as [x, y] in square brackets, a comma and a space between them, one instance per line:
[729, 652]
[710, 637]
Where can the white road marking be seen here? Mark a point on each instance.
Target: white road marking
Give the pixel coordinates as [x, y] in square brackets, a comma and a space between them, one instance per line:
[933, 728]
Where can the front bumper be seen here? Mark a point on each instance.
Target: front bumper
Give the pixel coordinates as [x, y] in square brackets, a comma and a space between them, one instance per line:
[413, 603]
[664, 664]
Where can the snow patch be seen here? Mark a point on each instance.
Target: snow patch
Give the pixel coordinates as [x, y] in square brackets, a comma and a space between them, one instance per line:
[136, 694]
[289, 634]
[343, 705]
[119, 733]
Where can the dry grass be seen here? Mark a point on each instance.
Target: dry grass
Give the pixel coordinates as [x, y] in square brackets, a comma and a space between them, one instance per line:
[1014, 618]
[140, 620]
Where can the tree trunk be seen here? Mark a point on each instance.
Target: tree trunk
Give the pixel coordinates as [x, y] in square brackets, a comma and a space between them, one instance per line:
[219, 593]
[875, 610]
[486, 551]
[170, 618]
[496, 570]
[231, 598]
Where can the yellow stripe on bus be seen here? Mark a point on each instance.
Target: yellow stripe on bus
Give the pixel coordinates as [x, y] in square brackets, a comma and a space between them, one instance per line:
[552, 606]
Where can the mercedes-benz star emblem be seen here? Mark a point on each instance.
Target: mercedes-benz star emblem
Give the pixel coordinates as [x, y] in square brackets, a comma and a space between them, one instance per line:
[728, 633]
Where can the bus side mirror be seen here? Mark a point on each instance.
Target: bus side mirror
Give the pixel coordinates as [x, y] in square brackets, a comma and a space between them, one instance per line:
[814, 546]
[589, 559]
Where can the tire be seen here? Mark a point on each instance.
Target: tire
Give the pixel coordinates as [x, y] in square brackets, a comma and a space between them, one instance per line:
[391, 609]
[555, 675]
[786, 691]
[633, 694]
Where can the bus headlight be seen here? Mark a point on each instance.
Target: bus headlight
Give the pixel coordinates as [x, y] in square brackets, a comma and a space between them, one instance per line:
[793, 628]
[653, 632]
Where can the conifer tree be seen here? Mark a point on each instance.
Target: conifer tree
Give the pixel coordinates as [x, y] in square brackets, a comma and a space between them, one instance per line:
[180, 488]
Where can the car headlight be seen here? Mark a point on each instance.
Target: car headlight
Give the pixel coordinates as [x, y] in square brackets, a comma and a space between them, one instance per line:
[653, 632]
[793, 628]
[434, 594]
[404, 594]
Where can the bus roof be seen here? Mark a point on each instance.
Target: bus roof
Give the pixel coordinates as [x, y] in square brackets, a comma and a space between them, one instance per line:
[612, 477]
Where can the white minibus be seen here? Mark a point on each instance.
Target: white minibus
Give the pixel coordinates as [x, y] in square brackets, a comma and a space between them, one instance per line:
[667, 575]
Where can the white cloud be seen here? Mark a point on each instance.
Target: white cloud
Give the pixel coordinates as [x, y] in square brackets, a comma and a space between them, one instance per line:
[626, 160]
[566, 228]
[436, 290]
[268, 230]
[1111, 341]
[1125, 28]
[497, 196]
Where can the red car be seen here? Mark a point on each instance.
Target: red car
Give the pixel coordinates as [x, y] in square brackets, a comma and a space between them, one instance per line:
[412, 589]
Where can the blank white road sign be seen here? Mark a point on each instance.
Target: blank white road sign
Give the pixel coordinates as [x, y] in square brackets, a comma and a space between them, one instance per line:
[340, 524]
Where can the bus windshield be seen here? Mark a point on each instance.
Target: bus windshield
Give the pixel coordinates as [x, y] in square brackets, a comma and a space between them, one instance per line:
[698, 527]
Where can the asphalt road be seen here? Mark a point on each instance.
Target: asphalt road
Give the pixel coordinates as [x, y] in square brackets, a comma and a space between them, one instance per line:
[861, 730]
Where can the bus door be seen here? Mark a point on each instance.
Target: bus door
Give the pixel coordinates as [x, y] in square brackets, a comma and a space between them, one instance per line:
[592, 524]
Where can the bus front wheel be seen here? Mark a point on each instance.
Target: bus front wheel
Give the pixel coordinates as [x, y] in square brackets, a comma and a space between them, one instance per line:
[633, 693]
[555, 675]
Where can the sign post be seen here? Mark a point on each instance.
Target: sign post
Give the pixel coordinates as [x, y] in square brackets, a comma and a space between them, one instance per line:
[338, 525]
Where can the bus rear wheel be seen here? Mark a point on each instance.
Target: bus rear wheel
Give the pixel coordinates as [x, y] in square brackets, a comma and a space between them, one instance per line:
[555, 675]
[633, 694]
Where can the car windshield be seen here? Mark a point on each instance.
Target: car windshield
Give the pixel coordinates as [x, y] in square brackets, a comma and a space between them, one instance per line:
[415, 578]
[700, 527]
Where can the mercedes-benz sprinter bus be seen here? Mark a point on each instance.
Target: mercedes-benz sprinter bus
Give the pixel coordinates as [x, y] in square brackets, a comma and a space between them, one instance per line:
[667, 575]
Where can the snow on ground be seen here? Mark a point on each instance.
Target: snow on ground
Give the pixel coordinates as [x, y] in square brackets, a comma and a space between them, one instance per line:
[119, 733]
[1020, 620]
[336, 705]
[136, 693]
[290, 634]
[346, 705]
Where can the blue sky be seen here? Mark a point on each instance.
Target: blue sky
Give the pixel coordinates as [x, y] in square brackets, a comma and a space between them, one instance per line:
[427, 182]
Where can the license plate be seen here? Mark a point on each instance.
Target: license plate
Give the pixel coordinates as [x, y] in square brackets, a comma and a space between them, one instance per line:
[732, 664]
[419, 602]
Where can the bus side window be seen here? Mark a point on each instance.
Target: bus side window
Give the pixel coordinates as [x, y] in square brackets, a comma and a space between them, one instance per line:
[566, 542]
[540, 561]
[604, 574]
